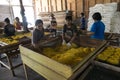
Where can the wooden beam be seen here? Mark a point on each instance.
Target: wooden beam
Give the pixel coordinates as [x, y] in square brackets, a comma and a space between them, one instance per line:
[48, 5]
[56, 5]
[83, 5]
[70, 6]
[76, 8]
[62, 5]
[41, 5]
[66, 8]
[51, 5]
[34, 7]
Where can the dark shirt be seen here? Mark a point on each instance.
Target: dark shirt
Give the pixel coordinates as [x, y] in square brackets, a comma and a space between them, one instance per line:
[9, 30]
[82, 23]
[70, 31]
[37, 36]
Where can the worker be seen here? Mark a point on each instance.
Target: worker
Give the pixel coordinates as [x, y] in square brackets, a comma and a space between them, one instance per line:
[52, 17]
[82, 21]
[69, 32]
[38, 33]
[9, 29]
[17, 23]
[97, 28]
[52, 28]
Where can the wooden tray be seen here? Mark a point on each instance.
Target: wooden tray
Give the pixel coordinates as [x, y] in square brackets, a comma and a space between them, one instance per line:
[51, 69]
[106, 64]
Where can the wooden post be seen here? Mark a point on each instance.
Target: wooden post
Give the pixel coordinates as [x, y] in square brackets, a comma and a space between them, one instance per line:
[10, 65]
[41, 5]
[83, 7]
[51, 5]
[70, 6]
[66, 7]
[34, 7]
[62, 5]
[25, 70]
[48, 5]
[56, 5]
[75, 8]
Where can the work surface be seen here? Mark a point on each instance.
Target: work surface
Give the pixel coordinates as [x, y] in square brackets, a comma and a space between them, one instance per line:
[5, 74]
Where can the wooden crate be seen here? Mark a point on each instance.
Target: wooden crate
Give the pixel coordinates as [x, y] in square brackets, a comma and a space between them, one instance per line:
[51, 69]
[105, 64]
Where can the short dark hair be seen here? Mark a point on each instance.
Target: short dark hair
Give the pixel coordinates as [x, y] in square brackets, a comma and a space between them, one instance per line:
[7, 20]
[68, 18]
[82, 14]
[97, 16]
[53, 22]
[38, 21]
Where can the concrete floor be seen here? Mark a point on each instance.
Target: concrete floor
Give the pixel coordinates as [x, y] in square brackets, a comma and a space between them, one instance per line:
[6, 74]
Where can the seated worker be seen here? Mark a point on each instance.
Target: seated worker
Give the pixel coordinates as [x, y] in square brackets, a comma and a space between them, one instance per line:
[17, 24]
[69, 32]
[38, 33]
[9, 29]
[52, 27]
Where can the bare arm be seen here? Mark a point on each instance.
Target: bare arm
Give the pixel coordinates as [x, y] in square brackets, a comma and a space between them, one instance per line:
[89, 33]
[74, 35]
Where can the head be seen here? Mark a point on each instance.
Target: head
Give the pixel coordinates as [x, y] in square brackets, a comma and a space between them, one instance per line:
[68, 20]
[39, 24]
[17, 19]
[7, 21]
[97, 16]
[82, 14]
[53, 23]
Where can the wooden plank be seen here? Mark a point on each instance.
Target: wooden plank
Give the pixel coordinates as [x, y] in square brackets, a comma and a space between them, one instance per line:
[113, 0]
[41, 69]
[48, 5]
[107, 1]
[41, 59]
[92, 3]
[63, 5]
[99, 1]
[107, 66]
[41, 5]
[66, 6]
[59, 4]
[56, 4]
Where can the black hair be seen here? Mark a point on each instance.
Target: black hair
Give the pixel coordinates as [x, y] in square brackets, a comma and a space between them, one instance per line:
[68, 18]
[82, 14]
[97, 16]
[53, 22]
[7, 20]
[16, 17]
[38, 21]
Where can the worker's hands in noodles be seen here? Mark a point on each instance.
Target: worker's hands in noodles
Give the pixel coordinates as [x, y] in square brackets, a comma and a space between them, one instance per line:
[63, 42]
[68, 44]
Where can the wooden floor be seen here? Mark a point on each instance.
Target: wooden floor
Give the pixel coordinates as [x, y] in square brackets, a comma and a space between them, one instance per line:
[6, 74]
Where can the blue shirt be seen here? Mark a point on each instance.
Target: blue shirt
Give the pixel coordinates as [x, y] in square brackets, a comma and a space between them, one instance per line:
[98, 28]
[83, 23]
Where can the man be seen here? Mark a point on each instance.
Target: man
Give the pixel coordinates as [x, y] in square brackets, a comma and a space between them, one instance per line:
[69, 32]
[38, 33]
[9, 29]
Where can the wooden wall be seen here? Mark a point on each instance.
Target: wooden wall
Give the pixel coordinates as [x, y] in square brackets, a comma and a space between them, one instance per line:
[77, 6]
[90, 3]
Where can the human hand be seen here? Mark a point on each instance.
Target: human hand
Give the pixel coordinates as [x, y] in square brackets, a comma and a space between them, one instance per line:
[68, 44]
[63, 42]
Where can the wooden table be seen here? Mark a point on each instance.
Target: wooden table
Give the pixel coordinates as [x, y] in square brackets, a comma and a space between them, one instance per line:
[51, 69]
[9, 51]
